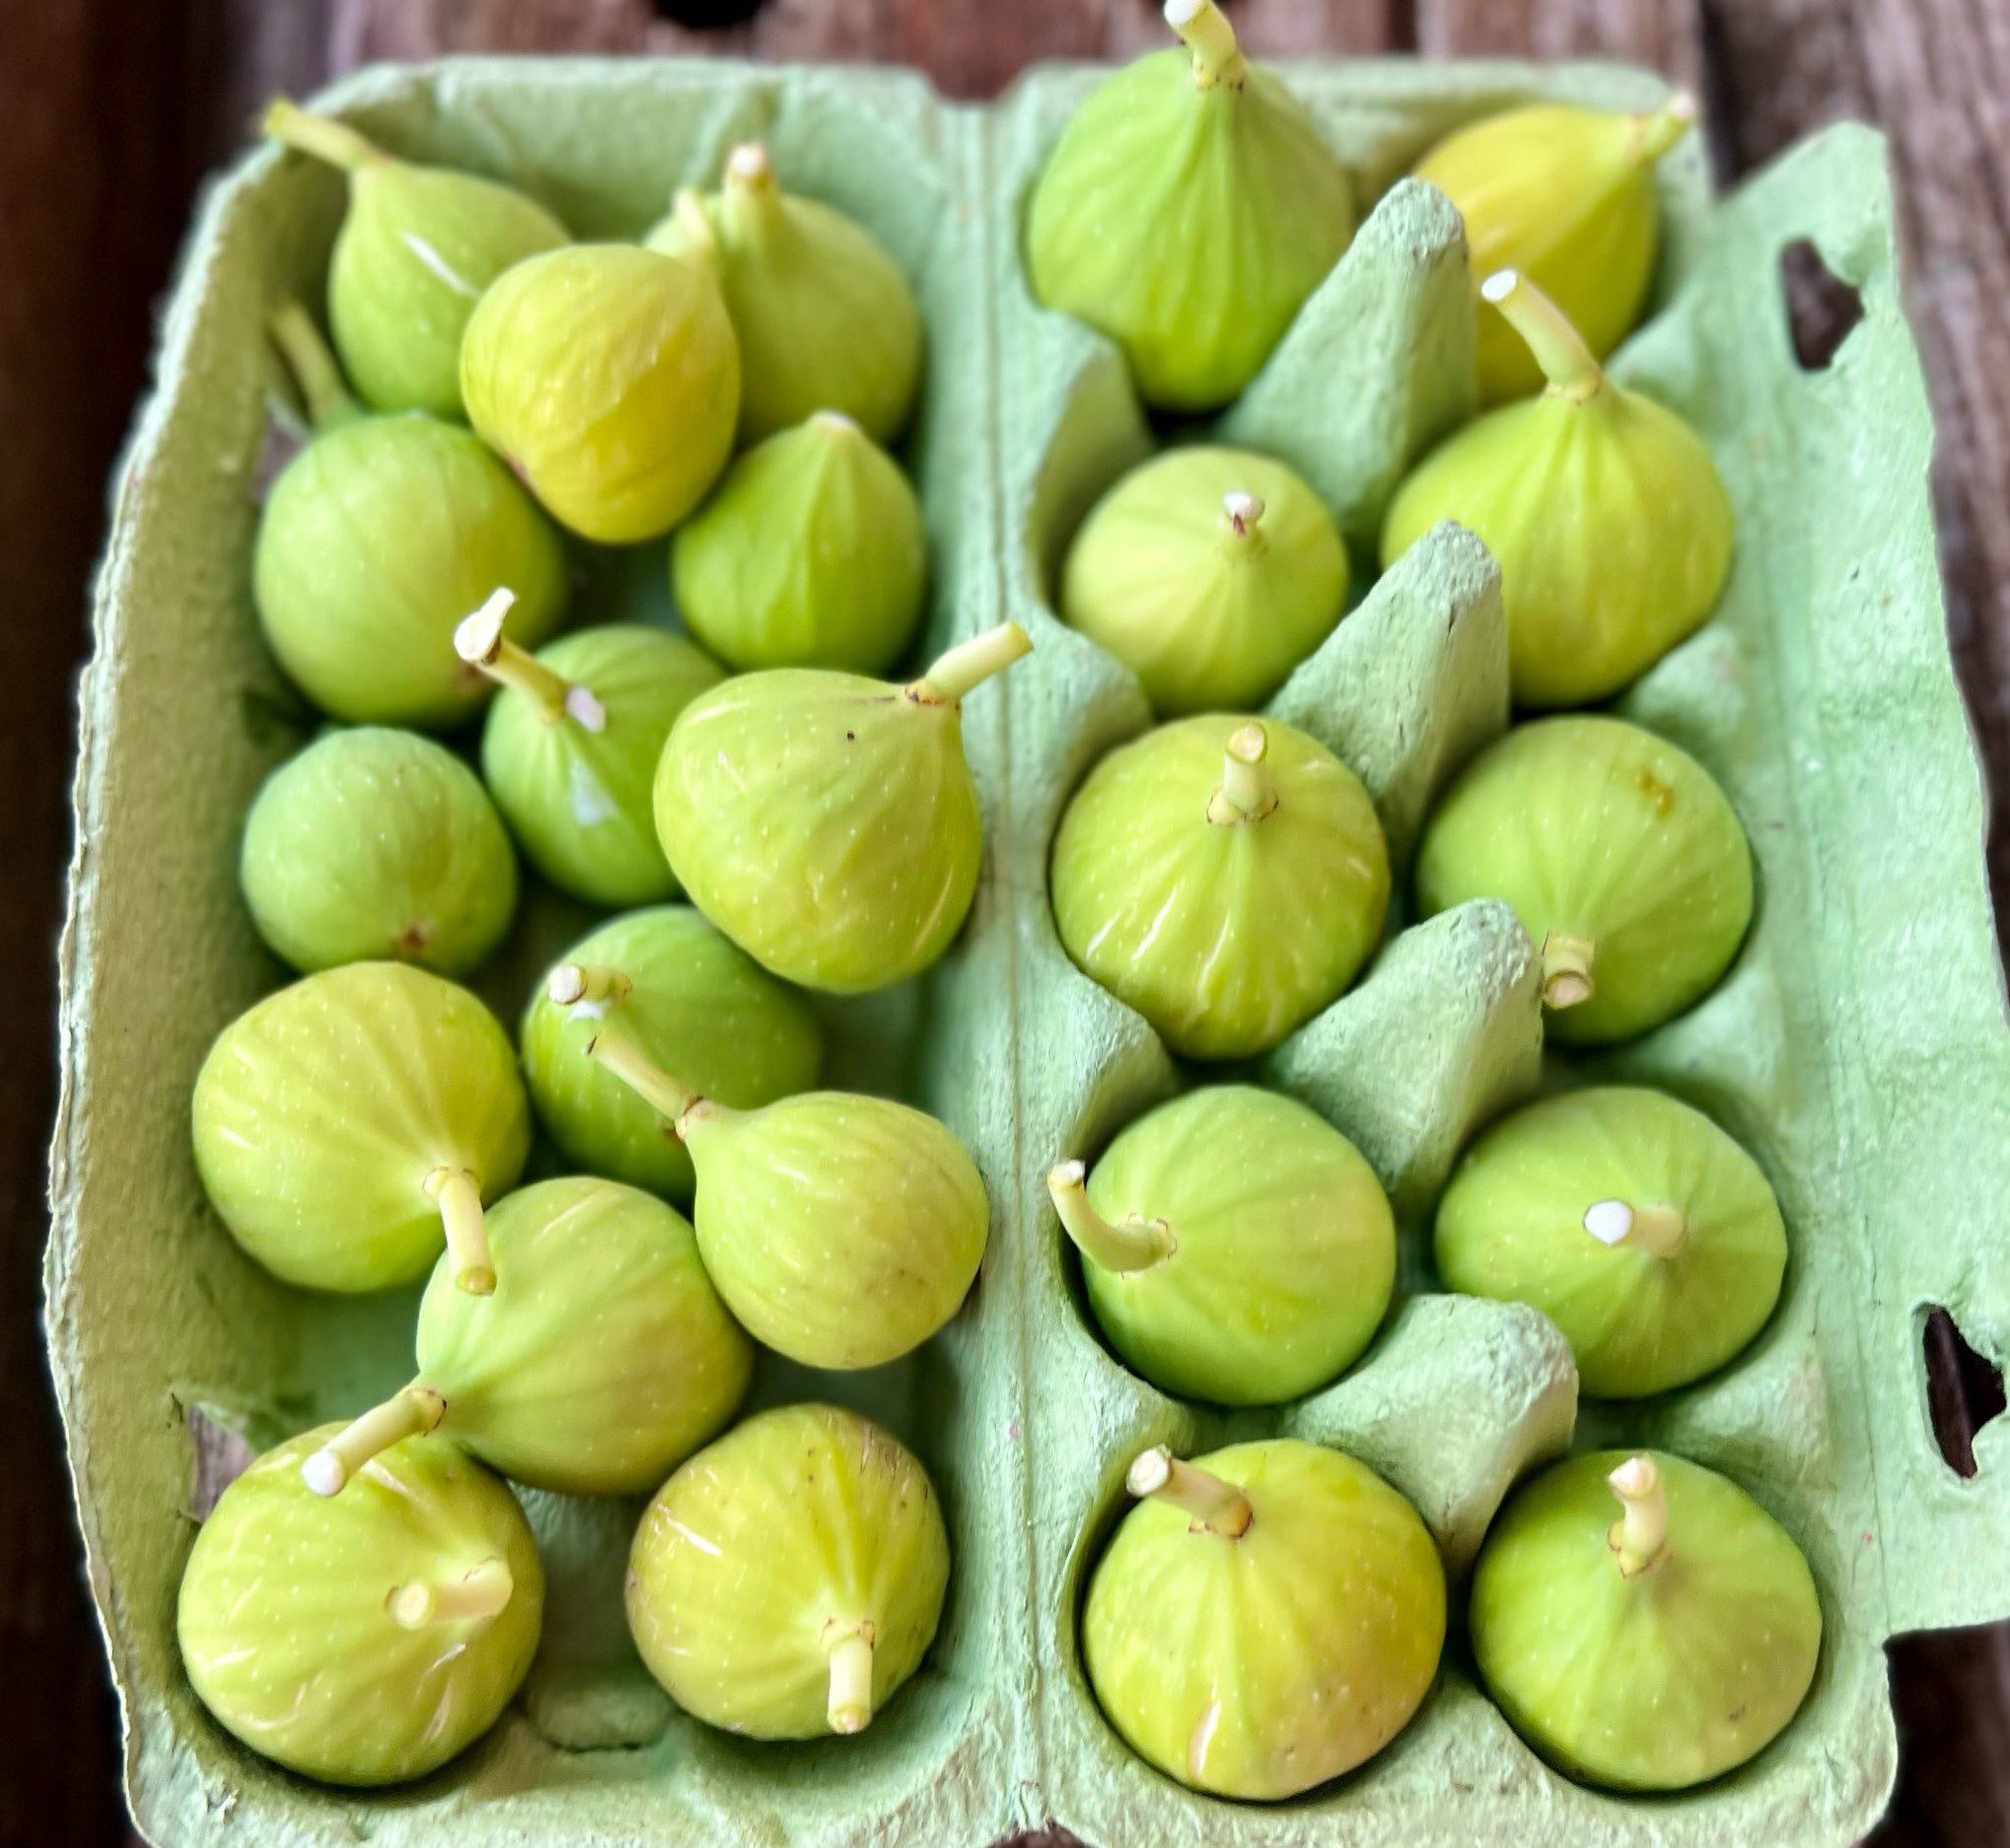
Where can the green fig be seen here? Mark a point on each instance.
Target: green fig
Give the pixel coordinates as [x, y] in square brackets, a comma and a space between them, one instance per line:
[824, 317]
[377, 845]
[1567, 196]
[377, 539]
[1623, 860]
[786, 1583]
[1209, 572]
[1225, 877]
[842, 1231]
[827, 822]
[1265, 1619]
[598, 1362]
[1189, 210]
[570, 748]
[1649, 1653]
[695, 1005]
[1236, 1247]
[607, 377]
[1635, 1223]
[1605, 510]
[369, 1640]
[811, 554]
[345, 1125]
[418, 247]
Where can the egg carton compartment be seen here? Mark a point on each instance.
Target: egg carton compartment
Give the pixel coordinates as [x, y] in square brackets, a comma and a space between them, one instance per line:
[1858, 1047]
[1831, 619]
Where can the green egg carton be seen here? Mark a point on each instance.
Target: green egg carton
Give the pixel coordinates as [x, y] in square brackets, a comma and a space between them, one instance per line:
[1858, 1047]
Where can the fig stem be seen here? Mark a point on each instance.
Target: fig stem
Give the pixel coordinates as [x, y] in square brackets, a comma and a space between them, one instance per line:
[323, 389]
[1204, 30]
[1566, 969]
[850, 1707]
[573, 983]
[1655, 131]
[750, 201]
[1136, 1244]
[1571, 368]
[1217, 1505]
[481, 642]
[412, 1412]
[459, 1197]
[1240, 524]
[484, 1590]
[969, 663]
[688, 207]
[1640, 1535]
[1247, 792]
[1659, 1229]
[613, 1046]
[321, 136]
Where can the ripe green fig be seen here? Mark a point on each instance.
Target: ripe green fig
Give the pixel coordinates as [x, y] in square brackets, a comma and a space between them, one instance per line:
[1225, 877]
[811, 554]
[827, 822]
[1236, 1247]
[1635, 1223]
[824, 317]
[1567, 196]
[1653, 1652]
[345, 1125]
[377, 845]
[786, 1581]
[1623, 860]
[379, 536]
[1189, 210]
[1605, 510]
[1266, 1618]
[1211, 573]
[694, 1003]
[842, 1231]
[418, 247]
[570, 748]
[599, 1361]
[607, 376]
[365, 1641]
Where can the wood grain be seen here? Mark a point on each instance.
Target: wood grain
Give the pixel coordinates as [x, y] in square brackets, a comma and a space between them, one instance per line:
[109, 112]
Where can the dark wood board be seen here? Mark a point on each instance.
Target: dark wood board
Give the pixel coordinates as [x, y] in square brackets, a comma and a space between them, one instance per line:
[109, 115]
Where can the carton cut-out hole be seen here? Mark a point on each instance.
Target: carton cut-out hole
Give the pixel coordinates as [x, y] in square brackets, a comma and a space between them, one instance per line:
[706, 15]
[1964, 1391]
[1822, 307]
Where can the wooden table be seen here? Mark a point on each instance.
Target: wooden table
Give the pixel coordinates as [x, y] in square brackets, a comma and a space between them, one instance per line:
[110, 113]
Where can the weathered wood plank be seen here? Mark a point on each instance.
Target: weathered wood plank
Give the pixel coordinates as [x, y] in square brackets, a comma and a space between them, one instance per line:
[1667, 35]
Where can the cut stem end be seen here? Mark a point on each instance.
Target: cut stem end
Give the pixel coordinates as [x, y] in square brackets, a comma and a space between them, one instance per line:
[410, 1414]
[1659, 130]
[1567, 969]
[459, 1195]
[850, 1706]
[1640, 1537]
[1133, 1245]
[484, 1590]
[1247, 792]
[479, 641]
[1205, 32]
[969, 663]
[1215, 1507]
[1571, 368]
[1660, 1230]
